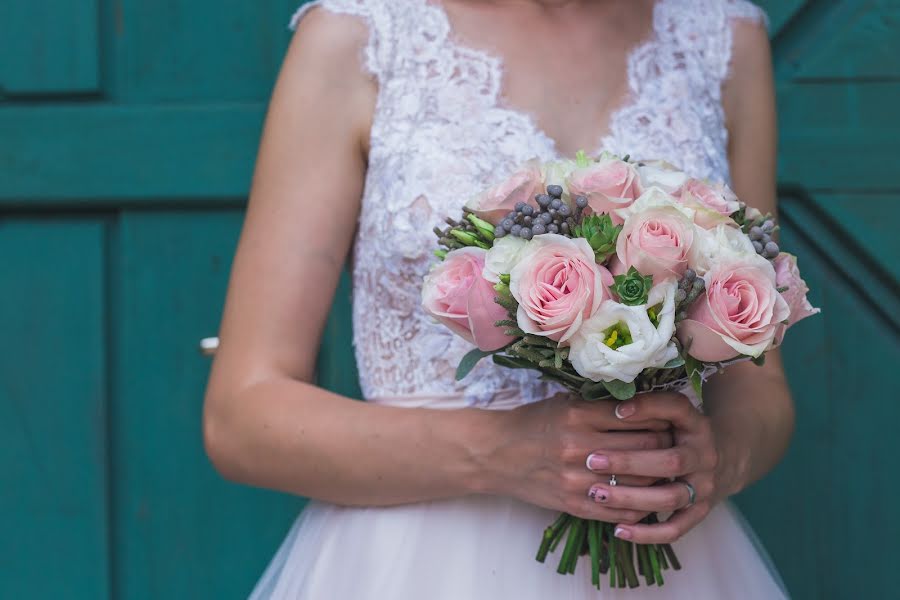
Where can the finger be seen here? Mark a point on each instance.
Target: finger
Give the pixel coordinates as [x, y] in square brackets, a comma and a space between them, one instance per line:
[657, 498]
[588, 509]
[602, 416]
[667, 406]
[631, 440]
[667, 532]
[671, 462]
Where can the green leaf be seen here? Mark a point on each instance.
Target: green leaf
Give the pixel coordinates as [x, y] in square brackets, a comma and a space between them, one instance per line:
[593, 390]
[581, 159]
[759, 360]
[469, 361]
[513, 362]
[694, 368]
[674, 363]
[620, 390]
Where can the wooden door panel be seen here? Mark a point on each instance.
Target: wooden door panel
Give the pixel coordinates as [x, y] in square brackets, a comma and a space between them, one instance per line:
[53, 408]
[180, 531]
[49, 47]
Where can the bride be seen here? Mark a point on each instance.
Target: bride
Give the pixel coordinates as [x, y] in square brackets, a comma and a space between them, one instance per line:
[387, 115]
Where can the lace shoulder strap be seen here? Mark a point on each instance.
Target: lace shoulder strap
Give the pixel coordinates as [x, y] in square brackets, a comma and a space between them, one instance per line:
[380, 48]
[701, 31]
[742, 9]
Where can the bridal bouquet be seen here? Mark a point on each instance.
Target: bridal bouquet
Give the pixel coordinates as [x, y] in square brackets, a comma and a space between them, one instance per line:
[613, 277]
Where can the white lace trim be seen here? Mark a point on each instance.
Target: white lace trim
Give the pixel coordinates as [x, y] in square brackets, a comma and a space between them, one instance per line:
[441, 133]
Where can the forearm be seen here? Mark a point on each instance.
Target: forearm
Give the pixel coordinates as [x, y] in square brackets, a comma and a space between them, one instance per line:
[753, 419]
[292, 436]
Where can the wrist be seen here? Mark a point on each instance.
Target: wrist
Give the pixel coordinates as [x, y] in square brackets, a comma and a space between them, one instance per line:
[483, 430]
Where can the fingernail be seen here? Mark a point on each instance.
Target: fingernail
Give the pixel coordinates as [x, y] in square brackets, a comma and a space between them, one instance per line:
[597, 462]
[598, 494]
[623, 534]
[625, 410]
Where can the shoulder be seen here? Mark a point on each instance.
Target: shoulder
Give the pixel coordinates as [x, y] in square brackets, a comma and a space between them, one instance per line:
[322, 28]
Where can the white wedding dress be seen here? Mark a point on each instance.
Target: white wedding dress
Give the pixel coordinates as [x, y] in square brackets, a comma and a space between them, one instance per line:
[442, 131]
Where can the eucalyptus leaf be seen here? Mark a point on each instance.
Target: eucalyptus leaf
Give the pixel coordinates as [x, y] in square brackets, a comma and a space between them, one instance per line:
[469, 361]
[620, 390]
[513, 362]
[694, 370]
[593, 390]
[674, 363]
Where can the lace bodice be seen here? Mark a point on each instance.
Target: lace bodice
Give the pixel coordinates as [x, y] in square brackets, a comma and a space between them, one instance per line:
[441, 133]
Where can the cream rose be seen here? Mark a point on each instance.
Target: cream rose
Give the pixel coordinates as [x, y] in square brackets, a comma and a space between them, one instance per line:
[713, 202]
[502, 257]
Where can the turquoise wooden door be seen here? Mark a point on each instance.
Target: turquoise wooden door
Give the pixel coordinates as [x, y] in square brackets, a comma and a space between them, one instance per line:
[127, 135]
[827, 514]
[128, 131]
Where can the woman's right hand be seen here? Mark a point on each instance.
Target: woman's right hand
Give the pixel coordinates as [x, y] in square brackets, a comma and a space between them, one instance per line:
[539, 451]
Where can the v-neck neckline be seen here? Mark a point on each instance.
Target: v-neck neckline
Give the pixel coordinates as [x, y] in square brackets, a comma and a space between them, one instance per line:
[497, 62]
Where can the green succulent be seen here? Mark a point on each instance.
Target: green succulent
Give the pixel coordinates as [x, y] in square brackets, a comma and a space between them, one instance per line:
[600, 233]
[632, 288]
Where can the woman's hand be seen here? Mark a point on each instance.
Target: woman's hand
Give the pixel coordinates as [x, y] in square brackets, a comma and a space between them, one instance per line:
[541, 451]
[694, 459]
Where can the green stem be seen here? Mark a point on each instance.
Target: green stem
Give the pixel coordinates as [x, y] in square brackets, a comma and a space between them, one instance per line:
[613, 568]
[594, 545]
[654, 564]
[550, 534]
[670, 552]
[561, 533]
[579, 545]
[662, 558]
[645, 564]
[627, 551]
[571, 546]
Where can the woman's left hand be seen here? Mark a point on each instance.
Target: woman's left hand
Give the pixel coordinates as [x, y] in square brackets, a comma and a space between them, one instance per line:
[694, 459]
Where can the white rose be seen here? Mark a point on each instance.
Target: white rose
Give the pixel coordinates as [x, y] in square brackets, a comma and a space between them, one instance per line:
[595, 352]
[654, 197]
[658, 173]
[555, 172]
[502, 257]
[713, 246]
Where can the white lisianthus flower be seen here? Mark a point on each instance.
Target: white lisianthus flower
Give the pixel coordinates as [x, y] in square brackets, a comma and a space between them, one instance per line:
[713, 246]
[502, 257]
[659, 173]
[620, 341]
[654, 197]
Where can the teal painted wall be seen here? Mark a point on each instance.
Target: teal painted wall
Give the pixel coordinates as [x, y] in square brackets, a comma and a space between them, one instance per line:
[128, 132]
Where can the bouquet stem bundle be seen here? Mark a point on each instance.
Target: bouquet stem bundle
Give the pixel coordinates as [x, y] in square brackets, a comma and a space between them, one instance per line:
[620, 560]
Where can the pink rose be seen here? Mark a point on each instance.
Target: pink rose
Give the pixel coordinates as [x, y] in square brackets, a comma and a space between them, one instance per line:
[608, 184]
[458, 296]
[714, 202]
[495, 203]
[656, 241]
[787, 275]
[740, 313]
[558, 285]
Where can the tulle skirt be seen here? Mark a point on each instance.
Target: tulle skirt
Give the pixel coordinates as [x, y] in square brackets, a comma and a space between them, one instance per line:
[483, 548]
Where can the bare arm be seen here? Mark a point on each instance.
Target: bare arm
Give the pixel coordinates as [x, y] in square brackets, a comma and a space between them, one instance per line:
[267, 424]
[751, 407]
